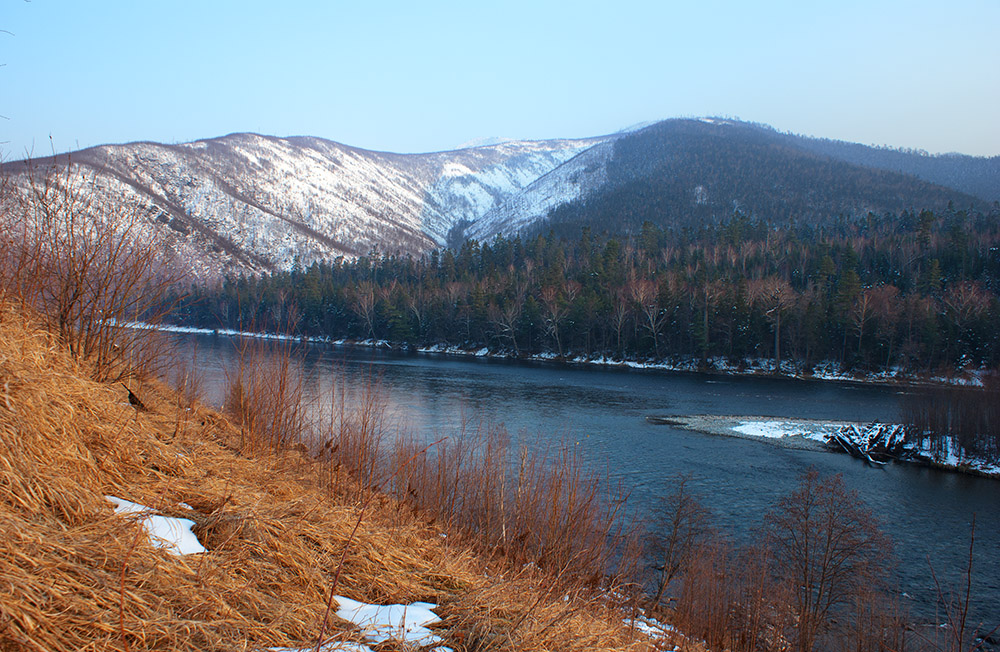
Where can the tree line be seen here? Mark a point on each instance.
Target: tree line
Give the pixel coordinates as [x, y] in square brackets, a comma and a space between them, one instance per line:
[914, 291]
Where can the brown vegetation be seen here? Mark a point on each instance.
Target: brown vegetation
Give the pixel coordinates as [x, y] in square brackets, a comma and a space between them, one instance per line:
[537, 509]
[815, 579]
[521, 551]
[79, 577]
[87, 269]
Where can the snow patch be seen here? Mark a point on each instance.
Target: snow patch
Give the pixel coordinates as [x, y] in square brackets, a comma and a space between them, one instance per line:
[332, 646]
[406, 623]
[654, 629]
[172, 534]
[773, 429]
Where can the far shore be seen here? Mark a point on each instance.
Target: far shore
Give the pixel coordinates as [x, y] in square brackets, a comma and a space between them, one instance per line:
[750, 368]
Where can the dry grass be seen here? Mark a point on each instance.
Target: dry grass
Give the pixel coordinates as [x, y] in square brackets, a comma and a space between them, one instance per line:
[78, 577]
[264, 397]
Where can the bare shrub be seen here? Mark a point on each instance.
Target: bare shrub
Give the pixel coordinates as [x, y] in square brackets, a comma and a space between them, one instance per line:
[680, 524]
[264, 396]
[760, 613]
[529, 507]
[875, 624]
[89, 267]
[705, 604]
[354, 440]
[186, 379]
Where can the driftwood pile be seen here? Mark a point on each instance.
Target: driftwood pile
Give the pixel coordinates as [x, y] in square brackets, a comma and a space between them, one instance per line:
[876, 443]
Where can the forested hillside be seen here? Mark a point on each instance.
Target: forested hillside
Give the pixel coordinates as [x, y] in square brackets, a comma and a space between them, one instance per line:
[689, 172]
[977, 176]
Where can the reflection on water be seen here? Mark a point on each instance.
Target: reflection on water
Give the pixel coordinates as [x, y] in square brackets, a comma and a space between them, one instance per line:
[603, 413]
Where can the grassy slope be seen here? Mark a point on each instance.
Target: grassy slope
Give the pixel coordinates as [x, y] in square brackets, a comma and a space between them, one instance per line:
[76, 576]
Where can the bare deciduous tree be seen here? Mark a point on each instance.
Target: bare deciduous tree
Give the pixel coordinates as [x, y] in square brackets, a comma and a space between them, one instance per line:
[645, 293]
[556, 301]
[364, 305]
[680, 525]
[776, 296]
[827, 546]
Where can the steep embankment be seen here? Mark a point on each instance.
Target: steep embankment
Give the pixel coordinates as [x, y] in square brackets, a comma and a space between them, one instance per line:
[275, 529]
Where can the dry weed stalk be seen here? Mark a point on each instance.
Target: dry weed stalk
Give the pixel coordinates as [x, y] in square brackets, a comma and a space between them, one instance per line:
[354, 443]
[543, 509]
[265, 398]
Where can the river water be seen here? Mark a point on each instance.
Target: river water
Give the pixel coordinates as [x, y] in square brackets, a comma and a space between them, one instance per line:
[602, 412]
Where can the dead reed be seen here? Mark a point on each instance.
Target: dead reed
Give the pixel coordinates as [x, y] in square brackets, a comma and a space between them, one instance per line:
[358, 433]
[264, 396]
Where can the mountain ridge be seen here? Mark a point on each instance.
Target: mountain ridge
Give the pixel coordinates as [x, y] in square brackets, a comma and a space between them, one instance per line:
[247, 202]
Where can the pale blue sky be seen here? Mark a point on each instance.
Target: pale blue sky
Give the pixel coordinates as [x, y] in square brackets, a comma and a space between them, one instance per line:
[422, 76]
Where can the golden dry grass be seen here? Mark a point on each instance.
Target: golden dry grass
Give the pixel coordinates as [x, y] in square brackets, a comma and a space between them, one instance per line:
[75, 576]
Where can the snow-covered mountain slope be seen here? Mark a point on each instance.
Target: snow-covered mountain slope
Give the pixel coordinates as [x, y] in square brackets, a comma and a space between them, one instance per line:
[573, 180]
[250, 202]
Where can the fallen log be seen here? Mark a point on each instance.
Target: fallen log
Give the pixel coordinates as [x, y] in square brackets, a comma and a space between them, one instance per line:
[875, 444]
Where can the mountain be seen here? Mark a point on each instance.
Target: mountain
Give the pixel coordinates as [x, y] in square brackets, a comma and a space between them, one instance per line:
[682, 173]
[246, 202]
[974, 175]
[252, 203]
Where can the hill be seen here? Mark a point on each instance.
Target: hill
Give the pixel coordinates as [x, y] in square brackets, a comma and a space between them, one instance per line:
[687, 173]
[253, 203]
[976, 176]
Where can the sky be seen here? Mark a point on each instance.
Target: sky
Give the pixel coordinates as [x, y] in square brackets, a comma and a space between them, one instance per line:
[427, 76]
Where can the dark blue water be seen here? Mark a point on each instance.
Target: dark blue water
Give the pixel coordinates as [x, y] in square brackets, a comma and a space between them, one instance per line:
[602, 412]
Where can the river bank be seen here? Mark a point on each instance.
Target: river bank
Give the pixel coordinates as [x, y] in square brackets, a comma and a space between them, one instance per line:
[604, 409]
[161, 523]
[828, 371]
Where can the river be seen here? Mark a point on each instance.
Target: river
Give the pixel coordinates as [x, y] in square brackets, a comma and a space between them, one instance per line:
[602, 412]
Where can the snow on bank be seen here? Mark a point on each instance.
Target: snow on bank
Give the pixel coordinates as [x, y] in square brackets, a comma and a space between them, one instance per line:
[650, 626]
[780, 429]
[172, 534]
[949, 455]
[405, 623]
[807, 434]
[815, 434]
[829, 371]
